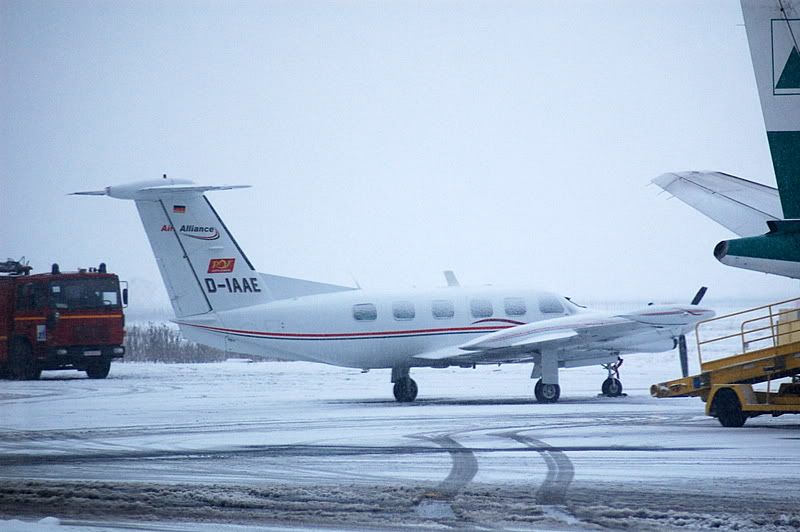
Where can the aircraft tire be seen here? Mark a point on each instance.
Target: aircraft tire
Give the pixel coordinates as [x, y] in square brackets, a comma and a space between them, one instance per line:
[612, 387]
[405, 390]
[546, 393]
[729, 409]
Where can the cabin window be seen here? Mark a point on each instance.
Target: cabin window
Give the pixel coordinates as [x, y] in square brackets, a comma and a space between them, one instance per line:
[550, 305]
[481, 308]
[403, 310]
[515, 306]
[365, 312]
[442, 309]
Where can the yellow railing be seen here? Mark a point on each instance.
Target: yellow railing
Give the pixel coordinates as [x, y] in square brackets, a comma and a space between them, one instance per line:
[773, 326]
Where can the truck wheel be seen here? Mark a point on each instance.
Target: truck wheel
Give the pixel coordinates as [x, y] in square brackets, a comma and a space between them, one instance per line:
[21, 365]
[729, 409]
[98, 369]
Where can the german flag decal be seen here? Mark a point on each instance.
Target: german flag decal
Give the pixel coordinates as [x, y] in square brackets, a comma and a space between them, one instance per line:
[180, 209]
[221, 265]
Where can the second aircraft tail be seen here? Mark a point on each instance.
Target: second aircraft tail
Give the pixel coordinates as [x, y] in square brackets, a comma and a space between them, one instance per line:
[773, 31]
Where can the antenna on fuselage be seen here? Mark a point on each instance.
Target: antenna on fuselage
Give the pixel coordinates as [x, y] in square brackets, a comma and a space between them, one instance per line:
[451, 278]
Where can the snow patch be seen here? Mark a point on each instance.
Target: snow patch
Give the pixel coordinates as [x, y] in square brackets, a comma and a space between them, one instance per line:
[42, 525]
[432, 509]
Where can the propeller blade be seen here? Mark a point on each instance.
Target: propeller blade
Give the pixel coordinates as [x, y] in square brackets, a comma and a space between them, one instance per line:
[683, 353]
[699, 295]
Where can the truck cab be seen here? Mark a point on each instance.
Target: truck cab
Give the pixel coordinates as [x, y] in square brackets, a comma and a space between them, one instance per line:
[55, 320]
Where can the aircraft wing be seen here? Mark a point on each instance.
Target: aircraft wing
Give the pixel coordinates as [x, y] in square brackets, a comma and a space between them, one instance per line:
[742, 206]
[580, 334]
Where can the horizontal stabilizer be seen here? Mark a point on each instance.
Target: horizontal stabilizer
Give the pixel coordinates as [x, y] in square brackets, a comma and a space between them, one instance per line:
[155, 188]
[156, 192]
[103, 192]
[288, 287]
[742, 206]
[191, 188]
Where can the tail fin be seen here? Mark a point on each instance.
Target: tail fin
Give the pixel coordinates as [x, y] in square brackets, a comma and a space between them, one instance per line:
[773, 32]
[202, 266]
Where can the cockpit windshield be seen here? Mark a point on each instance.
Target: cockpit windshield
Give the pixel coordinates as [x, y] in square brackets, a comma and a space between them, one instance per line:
[84, 293]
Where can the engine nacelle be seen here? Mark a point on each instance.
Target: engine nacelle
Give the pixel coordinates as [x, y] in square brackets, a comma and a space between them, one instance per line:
[657, 343]
[776, 252]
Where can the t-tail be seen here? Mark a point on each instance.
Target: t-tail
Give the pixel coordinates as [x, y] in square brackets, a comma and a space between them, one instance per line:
[766, 218]
[773, 30]
[203, 268]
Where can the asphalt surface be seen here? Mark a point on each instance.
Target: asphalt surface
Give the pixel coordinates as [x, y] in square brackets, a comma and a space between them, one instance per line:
[297, 445]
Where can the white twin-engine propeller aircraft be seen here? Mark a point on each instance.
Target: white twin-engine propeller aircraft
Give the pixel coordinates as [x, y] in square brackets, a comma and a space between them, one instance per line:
[222, 301]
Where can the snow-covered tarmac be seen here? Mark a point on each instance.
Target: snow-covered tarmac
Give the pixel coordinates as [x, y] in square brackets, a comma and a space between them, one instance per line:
[193, 447]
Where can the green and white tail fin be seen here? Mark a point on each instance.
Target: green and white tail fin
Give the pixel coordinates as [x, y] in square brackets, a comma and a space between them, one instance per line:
[773, 33]
[202, 266]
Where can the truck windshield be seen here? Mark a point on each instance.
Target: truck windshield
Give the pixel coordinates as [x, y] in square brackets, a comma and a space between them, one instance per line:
[84, 293]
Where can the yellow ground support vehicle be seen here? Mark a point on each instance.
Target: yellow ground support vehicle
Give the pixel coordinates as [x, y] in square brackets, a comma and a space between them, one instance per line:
[766, 341]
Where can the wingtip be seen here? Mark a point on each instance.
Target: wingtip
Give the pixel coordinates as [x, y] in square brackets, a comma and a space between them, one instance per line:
[89, 193]
[665, 180]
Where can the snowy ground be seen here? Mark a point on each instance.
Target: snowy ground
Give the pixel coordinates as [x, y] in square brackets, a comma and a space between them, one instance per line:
[278, 445]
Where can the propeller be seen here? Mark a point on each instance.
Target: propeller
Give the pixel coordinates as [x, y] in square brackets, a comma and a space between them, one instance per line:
[698, 297]
[683, 351]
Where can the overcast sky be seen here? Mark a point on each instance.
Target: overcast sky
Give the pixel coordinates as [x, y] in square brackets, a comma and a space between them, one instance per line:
[509, 141]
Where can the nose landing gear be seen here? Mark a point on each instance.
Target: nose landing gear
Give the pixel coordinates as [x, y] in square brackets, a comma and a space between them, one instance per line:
[612, 386]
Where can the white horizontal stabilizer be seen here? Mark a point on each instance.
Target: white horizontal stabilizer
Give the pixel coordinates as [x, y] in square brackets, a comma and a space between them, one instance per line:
[155, 188]
[103, 192]
[742, 206]
[191, 188]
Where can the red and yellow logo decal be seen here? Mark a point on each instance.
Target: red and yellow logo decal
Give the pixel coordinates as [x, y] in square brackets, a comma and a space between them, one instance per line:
[221, 265]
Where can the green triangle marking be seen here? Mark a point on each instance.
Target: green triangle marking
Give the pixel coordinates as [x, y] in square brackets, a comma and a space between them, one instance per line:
[790, 77]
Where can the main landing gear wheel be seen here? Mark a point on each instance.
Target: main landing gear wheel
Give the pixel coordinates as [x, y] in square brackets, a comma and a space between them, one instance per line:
[405, 390]
[612, 387]
[546, 393]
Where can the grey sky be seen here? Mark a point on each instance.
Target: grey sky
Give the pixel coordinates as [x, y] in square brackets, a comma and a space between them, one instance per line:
[509, 141]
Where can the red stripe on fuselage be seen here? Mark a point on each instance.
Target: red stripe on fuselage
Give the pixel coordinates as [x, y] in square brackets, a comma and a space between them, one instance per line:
[346, 335]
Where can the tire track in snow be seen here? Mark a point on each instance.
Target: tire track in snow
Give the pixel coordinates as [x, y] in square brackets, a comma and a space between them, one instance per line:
[438, 502]
[463, 470]
[560, 470]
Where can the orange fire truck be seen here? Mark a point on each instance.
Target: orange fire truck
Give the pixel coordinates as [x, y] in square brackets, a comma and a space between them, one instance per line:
[59, 320]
